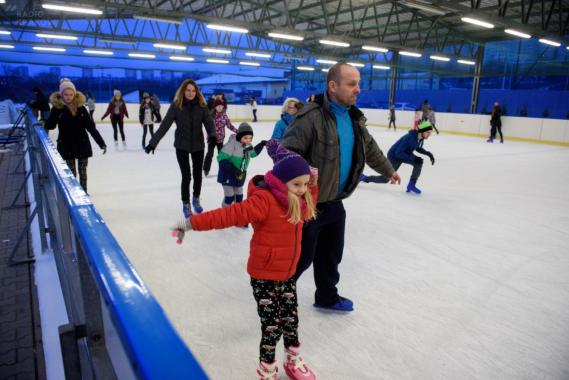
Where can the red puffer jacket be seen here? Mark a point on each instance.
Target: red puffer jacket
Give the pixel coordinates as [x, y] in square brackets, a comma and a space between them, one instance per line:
[275, 245]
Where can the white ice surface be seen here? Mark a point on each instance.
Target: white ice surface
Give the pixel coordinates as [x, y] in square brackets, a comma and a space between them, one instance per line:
[470, 280]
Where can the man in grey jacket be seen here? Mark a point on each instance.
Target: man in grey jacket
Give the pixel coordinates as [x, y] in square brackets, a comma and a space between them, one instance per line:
[331, 134]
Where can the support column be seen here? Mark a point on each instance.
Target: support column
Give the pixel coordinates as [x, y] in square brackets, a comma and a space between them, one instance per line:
[476, 80]
[394, 77]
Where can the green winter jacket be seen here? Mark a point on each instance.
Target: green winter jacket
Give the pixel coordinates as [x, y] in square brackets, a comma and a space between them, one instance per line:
[313, 135]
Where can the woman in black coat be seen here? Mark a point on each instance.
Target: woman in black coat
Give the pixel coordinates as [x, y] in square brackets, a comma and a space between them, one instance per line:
[189, 111]
[72, 118]
[496, 123]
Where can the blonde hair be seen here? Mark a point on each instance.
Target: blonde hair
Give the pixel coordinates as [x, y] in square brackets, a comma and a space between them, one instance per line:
[295, 210]
[286, 102]
[179, 97]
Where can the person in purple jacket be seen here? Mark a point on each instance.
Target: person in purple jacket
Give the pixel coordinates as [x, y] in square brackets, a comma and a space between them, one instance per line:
[402, 153]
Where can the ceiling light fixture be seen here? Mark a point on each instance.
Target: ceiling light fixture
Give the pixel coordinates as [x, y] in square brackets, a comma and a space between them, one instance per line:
[260, 55]
[5, 32]
[466, 62]
[181, 58]
[305, 68]
[65, 8]
[216, 60]
[424, 7]
[334, 43]
[217, 51]
[227, 28]
[7, 46]
[356, 64]
[516, 33]
[45, 48]
[374, 48]
[141, 55]
[439, 58]
[325, 70]
[286, 36]
[410, 54]
[549, 42]
[98, 52]
[381, 67]
[56, 36]
[326, 61]
[169, 46]
[247, 63]
[481, 23]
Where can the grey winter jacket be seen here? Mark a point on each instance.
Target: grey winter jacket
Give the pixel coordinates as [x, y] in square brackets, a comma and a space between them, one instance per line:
[313, 134]
[189, 136]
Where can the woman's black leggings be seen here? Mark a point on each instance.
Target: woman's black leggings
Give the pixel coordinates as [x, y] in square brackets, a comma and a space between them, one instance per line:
[209, 155]
[117, 120]
[197, 164]
[145, 128]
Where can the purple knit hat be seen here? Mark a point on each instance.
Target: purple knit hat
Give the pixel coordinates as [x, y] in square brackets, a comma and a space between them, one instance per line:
[287, 164]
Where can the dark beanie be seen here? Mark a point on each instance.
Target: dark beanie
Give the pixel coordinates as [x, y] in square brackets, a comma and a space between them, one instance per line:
[287, 164]
[243, 130]
[217, 102]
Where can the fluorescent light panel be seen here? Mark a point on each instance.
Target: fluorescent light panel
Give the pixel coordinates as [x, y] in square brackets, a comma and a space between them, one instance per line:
[439, 58]
[286, 36]
[381, 67]
[158, 19]
[227, 28]
[217, 51]
[141, 55]
[247, 63]
[425, 8]
[334, 43]
[57, 36]
[260, 55]
[466, 62]
[326, 61]
[216, 60]
[325, 70]
[46, 48]
[549, 42]
[6, 46]
[98, 52]
[474, 21]
[516, 33]
[410, 54]
[305, 68]
[169, 46]
[181, 58]
[356, 64]
[65, 8]
[374, 48]
[5, 32]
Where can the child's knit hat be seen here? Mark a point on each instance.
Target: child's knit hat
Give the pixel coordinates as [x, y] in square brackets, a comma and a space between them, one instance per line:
[116, 93]
[425, 126]
[66, 83]
[243, 130]
[287, 164]
[217, 102]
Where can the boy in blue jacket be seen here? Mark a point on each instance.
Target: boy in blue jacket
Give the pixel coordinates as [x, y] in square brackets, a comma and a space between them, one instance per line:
[402, 152]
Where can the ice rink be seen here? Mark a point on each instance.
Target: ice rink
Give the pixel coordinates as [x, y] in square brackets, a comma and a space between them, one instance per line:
[470, 280]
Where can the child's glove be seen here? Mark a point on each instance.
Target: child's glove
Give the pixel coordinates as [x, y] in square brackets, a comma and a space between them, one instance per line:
[179, 229]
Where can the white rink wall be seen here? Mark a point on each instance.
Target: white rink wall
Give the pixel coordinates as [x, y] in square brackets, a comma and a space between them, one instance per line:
[520, 128]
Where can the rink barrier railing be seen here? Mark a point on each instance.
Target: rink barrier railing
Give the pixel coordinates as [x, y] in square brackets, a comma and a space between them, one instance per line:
[117, 329]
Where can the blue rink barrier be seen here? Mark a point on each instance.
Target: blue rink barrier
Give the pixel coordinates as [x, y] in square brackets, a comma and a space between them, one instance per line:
[117, 329]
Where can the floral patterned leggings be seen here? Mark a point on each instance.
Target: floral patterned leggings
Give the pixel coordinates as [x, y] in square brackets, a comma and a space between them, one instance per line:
[277, 306]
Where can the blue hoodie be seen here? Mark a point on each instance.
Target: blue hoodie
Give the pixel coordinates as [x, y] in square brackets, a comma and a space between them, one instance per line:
[281, 126]
[403, 149]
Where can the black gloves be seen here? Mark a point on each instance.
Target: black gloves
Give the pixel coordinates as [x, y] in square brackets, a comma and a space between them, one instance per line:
[259, 147]
[149, 148]
[418, 160]
[430, 155]
[211, 139]
[104, 149]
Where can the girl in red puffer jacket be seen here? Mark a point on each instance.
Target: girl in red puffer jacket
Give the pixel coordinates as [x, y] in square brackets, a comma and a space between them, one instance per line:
[277, 206]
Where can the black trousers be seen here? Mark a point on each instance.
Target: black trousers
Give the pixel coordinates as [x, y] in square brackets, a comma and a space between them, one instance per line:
[392, 121]
[145, 129]
[117, 120]
[495, 128]
[254, 115]
[183, 158]
[415, 174]
[82, 170]
[209, 156]
[323, 245]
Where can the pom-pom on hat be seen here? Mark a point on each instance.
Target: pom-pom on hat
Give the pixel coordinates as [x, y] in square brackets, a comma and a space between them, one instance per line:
[66, 83]
[425, 126]
[287, 164]
[244, 130]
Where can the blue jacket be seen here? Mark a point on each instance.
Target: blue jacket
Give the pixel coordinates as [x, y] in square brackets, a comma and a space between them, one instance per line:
[281, 126]
[403, 149]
